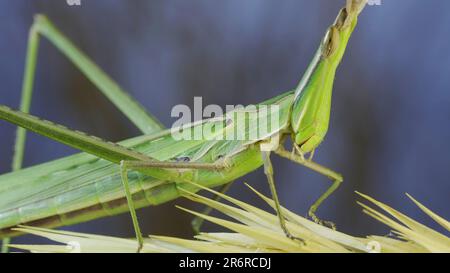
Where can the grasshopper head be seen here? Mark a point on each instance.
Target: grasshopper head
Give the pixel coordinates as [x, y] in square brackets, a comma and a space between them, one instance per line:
[335, 41]
[312, 101]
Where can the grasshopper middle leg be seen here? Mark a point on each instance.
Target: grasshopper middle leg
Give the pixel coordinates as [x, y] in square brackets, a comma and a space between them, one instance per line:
[268, 170]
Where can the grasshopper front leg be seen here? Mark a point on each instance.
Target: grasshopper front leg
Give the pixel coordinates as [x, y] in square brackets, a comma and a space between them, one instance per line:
[337, 180]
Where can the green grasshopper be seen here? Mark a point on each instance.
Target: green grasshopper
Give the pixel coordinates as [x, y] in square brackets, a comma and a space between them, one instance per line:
[113, 178]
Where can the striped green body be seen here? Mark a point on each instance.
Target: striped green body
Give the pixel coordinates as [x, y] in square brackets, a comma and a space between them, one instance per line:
[83, 187]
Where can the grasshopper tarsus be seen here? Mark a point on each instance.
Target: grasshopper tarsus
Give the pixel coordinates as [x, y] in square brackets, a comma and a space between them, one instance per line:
[292, 237]
[324, 223]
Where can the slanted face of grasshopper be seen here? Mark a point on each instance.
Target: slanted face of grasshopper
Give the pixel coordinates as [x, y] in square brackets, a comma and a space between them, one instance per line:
[312, 102]
[157, 167]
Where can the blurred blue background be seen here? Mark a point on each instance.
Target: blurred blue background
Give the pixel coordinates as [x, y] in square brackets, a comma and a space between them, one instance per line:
[390, 127]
